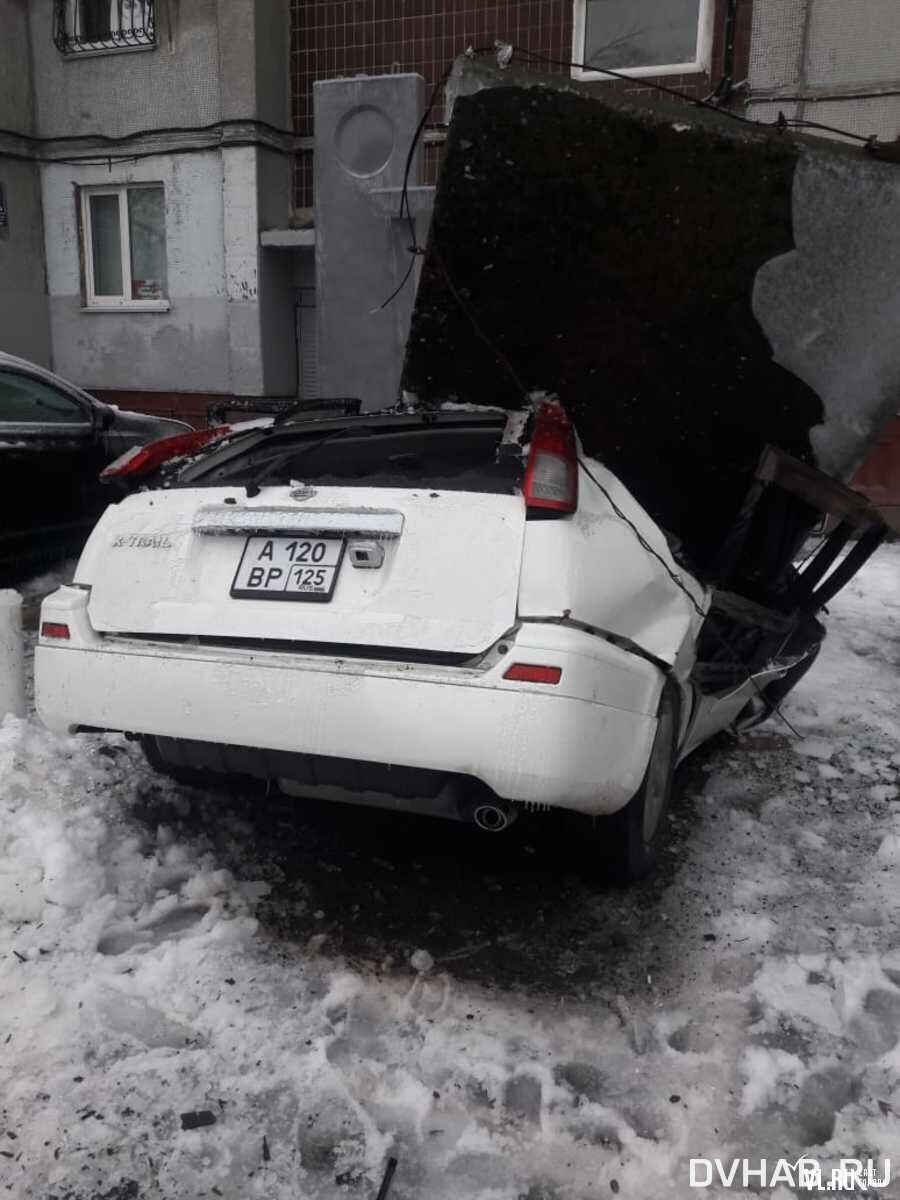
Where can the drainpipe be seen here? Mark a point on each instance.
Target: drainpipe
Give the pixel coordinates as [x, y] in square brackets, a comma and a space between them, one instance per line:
[803, 60]
[723, 89]
[728, 56]
[12, 656]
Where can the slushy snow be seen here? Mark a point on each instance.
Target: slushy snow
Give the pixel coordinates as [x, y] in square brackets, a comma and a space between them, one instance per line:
[139, 997]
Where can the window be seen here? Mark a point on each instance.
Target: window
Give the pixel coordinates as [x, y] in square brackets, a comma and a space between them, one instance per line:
[124, 232]
[642, 37]
[28, 401]
[82, 26]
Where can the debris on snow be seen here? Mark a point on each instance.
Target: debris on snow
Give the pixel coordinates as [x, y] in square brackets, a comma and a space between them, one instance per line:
[198, 1120]
[421, 961]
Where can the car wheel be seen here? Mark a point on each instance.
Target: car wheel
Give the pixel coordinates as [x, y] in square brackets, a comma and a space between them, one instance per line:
[186, 775]
[628, 842]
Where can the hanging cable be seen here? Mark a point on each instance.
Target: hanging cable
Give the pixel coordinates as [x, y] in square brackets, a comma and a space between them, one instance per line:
[781, 122]
[162, 131]
[505, 53]
[415, 249]
[473, 321]
[682, 586]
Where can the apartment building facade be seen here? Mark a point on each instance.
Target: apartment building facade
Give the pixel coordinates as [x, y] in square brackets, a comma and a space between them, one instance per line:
[158, 134]
[170, 235]
[199, 201]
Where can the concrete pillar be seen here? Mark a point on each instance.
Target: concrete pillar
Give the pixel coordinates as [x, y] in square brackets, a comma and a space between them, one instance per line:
[364, 127]
[241, 228]
[12, 656]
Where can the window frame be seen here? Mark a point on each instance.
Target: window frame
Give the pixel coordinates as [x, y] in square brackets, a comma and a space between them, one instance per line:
[93, 300]
[699, 65]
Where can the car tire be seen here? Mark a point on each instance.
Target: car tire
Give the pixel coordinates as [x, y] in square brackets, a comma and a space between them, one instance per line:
[627, 844]
[189, 776]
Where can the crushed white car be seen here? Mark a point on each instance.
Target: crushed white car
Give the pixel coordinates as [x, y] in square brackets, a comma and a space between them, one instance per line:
[452, 612]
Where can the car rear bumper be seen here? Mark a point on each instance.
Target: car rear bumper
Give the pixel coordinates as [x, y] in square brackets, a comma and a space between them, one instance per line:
[583, 744]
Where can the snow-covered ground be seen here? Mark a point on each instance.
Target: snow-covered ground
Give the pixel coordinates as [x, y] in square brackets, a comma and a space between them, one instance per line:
[751, 1008]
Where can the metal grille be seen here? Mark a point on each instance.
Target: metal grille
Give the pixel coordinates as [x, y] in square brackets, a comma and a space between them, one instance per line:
[81, 26]
[309, 349]
[827, 61]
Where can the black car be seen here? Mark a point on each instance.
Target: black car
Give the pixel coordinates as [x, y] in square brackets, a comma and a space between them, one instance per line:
[54, 441]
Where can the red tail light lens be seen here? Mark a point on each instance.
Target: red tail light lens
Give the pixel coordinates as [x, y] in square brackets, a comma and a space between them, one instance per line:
[140, 460]
[528, 673]
[54, 629]
[551, 475]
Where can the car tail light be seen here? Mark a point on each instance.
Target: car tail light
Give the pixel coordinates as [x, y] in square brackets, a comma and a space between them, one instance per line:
[54, 629]
[529, 673]
[551, 475]
[140, 460]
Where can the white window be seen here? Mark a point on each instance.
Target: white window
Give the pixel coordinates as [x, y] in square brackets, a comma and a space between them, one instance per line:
[642, 37]
[124, 232]
[85, 26]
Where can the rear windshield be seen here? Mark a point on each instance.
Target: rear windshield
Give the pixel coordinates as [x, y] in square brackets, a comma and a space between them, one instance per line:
[470, 459]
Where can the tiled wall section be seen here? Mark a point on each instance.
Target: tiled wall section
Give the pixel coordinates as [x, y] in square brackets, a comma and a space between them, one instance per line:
[351, 37]
[374, 36]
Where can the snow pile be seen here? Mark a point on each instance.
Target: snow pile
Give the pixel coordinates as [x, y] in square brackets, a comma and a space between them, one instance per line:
[156, 1044]
[136, 1001]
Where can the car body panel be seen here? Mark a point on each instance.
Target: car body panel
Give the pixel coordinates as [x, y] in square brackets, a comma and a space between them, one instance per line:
[174, 579]
[593, 568]
[714, 712]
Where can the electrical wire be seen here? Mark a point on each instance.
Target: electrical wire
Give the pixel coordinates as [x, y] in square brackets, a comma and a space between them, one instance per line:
[780, 123]
[405, 211]
[775, 710]
[91, 158]
[642, 541]
[473, 320]
[472, 51]
[645, 545]
[163, 130]
[414, 248]
[107, 160]
[505, 363]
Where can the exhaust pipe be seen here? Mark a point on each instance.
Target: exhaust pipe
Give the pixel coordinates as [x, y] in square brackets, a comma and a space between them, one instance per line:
[488, 812]
[492, 818]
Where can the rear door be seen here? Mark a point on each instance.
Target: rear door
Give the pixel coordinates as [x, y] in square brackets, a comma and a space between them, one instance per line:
[425, 568]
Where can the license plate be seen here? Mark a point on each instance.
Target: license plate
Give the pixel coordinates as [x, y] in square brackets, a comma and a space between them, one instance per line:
[288, 568]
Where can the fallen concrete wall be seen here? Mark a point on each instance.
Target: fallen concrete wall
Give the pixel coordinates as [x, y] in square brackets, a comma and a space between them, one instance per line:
[691, 287]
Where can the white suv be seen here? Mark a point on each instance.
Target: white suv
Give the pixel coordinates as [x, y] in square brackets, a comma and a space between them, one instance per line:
[452, 612]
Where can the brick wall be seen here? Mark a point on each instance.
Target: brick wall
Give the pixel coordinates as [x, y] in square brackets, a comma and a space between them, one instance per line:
[352, 37]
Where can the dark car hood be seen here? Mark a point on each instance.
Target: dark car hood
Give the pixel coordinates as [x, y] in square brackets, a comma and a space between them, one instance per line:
[142, 426]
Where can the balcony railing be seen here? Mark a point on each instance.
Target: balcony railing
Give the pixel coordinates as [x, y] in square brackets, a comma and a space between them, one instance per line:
[82, 26]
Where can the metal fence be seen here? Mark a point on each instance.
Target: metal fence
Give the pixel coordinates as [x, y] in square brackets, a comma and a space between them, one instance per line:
[81, 26]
